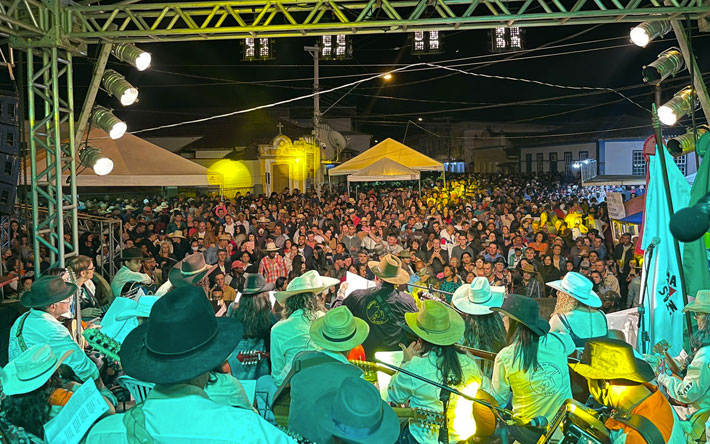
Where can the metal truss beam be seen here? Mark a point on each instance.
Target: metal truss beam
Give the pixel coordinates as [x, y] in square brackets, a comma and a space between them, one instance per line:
[180, 21]
[50, 105]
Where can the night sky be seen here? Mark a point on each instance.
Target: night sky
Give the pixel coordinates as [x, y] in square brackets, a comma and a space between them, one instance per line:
[189, 80]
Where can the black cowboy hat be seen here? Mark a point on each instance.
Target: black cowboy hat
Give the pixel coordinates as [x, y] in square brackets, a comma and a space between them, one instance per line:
[131, 253]
[182, 339]
[254, 284]
[47, 290]
[526, 311]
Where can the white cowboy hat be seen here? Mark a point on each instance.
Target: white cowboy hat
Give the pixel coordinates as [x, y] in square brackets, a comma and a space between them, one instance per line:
[478, 297]
[701, 304]
[30, 370]
[579, 287]
[339, 330]
[308, 282]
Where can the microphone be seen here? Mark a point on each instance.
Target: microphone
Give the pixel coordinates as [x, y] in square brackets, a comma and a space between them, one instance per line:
[655, 241]
[691, 223]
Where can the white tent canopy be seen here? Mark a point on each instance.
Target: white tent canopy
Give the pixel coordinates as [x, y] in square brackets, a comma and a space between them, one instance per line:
[383, 170]
[389, 149]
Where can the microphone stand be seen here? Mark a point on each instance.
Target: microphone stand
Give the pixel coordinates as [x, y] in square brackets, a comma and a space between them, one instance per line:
[640, 325]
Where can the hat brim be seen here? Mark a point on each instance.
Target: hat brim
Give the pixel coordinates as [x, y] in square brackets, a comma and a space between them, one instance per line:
[402, 276]
[362, 329]
[461, 301]
[13, 385]
[31, 301]
[388, 431]
[590, 299]
[253, 291]
[179, 280]
[140, 363]
[271, 250]
[643, 374]
[541, 327]
[328, 282]
[457, 327]
[696, 308]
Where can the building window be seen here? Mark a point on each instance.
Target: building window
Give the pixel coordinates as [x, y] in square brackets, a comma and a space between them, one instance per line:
[681, 162]
[553, 162]
[539, 162]
[528, 163]
[638, 165]
[583, 155]
[568, 163]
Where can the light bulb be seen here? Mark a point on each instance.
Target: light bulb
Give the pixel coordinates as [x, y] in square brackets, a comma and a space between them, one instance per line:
[640, 37]
[118, 130]
[129, 96]
[667, 116]
[143, 61]
[103, 166]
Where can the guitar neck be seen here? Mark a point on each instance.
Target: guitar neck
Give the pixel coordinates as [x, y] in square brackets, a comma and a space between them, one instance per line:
[483, 354]
[371, 366]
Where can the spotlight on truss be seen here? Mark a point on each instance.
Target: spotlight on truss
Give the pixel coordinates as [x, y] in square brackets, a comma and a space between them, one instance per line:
[427, 42]
[133, 55]
[91, 157]
[669, 63]
[679, 106]
[118, 86]
[685, 144]
[642, 34]
[107, 121]
[261, 48]
[506, 39]
[336, 47]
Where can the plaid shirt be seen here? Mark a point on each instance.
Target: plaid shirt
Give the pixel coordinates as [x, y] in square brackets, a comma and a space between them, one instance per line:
[272, 269]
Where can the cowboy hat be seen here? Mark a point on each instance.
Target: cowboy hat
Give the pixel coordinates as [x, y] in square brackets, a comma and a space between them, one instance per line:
[389, 269]
[437, 323]
[190, 270]
[339, 330]
[130, 208]
[270, 246]
[579, 287]
[262, 220]
[47, 290]
[425, 273]
[478, 297]
[176, 233]
[404, 254]
[31, 369]
[254, 284]
[225, 237]
[130, 254]
[701, 304]
[308, 282]
[182, 339]
[527, 268]
[142, 309]
[526, 311]
[606, 358]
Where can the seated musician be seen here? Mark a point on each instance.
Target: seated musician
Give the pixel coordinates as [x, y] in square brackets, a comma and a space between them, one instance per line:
[338, 332]
[303, 303]
[47, 300]
[622, 382]
[484, 328]
[34, 393]
[83, 269]
[383, 307]
[533, 366]
[253, 310]
[577, 311]
[343, 408]
[132, 259]
[434, 356]
[694, 388]
[177, 348]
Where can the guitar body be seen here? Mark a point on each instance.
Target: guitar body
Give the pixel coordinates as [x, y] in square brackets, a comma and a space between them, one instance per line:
[484, 417]
[697, 422]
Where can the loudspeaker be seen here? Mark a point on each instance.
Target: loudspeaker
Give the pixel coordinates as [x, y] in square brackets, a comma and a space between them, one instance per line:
[9, 151]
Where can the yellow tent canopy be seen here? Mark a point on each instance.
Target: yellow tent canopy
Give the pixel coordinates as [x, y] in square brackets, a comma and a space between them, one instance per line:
[384, 169]
[390, 149]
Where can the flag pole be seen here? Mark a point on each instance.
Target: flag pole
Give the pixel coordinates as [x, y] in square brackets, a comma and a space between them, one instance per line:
[660, 152]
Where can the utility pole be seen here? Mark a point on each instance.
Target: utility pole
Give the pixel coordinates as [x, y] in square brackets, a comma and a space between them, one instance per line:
[314, 51]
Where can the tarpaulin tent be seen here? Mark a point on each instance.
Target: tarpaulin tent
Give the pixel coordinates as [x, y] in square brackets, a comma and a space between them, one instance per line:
[389, 149]
[384, 170]
[137, 163]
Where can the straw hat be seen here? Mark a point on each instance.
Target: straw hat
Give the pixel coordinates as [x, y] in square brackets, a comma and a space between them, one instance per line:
[526, 311]
[262, 220]
[270, 246]
[436, 323]
[176, 234]
[389, 269]
[308, 282]
[612, 359]
[478, 297]
[579, 287]
[30, 370]
[339, 330]
[225, 237]
[701, 304]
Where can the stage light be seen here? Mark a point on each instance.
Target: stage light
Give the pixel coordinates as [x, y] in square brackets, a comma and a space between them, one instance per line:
[420, 119]
[685, 144]
[131, 54]
[506, 39]
[669, 63]
[258, 49]
[427, 42]
[337, 47]
[91, 157]
[107, 121]
[679, 106]
[118, 86]
[387, 77]
[642, 34]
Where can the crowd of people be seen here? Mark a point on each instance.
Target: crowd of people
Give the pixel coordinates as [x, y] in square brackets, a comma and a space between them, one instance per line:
[270, 289]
